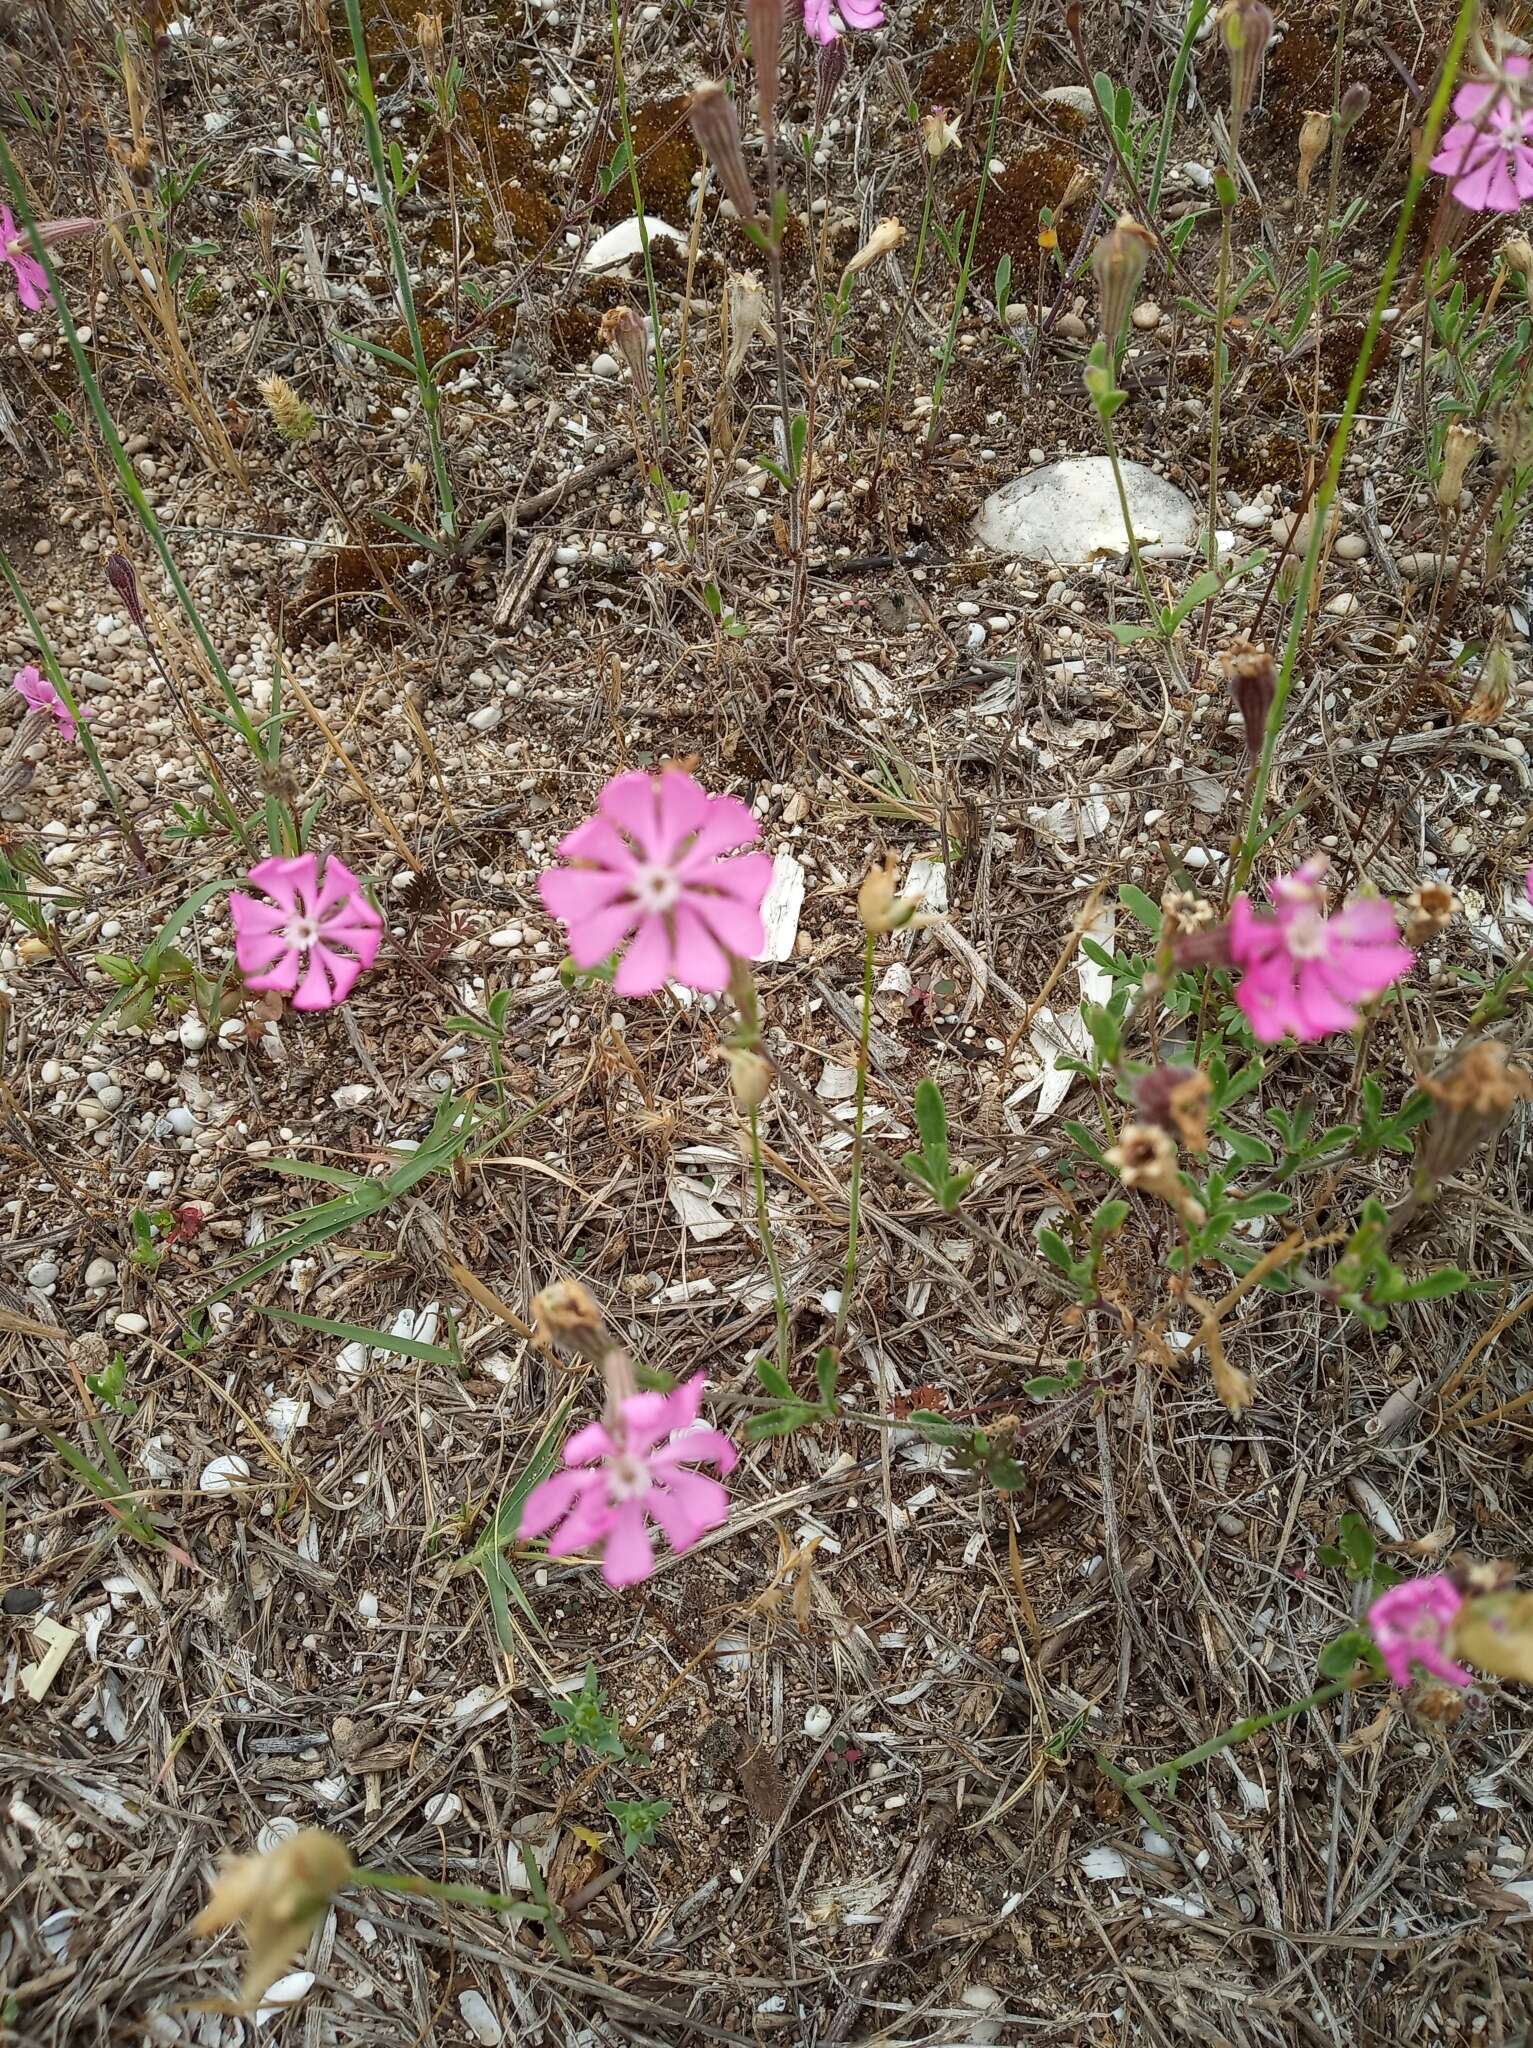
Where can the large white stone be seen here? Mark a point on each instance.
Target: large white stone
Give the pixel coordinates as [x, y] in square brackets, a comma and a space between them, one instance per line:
[1068, 511]
[624, 241]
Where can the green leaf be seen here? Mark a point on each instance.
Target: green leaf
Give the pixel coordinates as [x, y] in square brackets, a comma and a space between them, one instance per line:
[375, 348]
[1247, 1150]
[1056, 1251]
[825, 1374]
[1110, 1217]
[1433, 1286]
[1339, 1658]
[1140, 906]
[773, 1380]
[1358, 1544]
[931, 1122]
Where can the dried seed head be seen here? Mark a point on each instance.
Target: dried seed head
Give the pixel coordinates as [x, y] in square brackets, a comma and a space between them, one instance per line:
[1498, 677]
[1517, 254]
[1208, 947]
[278, 1898]
[566, 1314]
[1314, 140]
[939, 132]
[1245, 26]
[1252, 681]
[428, 37]
[765, 20]
[1176, 1100]
[1145, 1157]
[1117, 264]
[886, 236]
[1428, 911]
[1461, 444]
[624, 332]
[264, 218]
[1351, 108]
[292, 416]
[717, 128]
[1182, 910]
[119, 573]
[1482, 1081]
[750, 1078]
[1513, 431]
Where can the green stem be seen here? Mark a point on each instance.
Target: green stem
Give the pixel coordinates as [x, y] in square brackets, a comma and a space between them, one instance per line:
[620, 78]
[1241, 1732]
[899, 332]
[1216, 390]
[1327, 492]
[1110, 442]
[127, 476]
[962, 291]
[455, 1894]
[1173, 100]
[768, 1242]
[425, 381]
[859, 1123]
[67, 698]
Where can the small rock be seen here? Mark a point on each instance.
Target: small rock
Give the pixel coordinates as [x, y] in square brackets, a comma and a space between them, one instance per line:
[100, 1273]
[1147, 315]
[817, 1722]
[131, 1323]
[1342, 603]
[1071, 326]
[222, 1475]
[442, 1808]
[109, 1097]
[487, 717]
[479, 2019]
[1068, 511]
[43, 1274]
[1351, 547]
[193, 1033]
[1251, 517]
[352, 1095]
[618, 244]
[1419, 568]
[604, 365]
[508, 936]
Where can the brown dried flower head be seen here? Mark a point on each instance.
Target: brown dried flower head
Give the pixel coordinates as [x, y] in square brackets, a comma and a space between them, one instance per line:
[1314, 141]
[1498, 675]
[939, 132]
[622, 331]
[429, 40]
[1517, 255]
[1428, 911]
[1176, 1100]
[887, 236]
[1482, 1082]
[765, 20]
[279, 1899]
[292, 416]
[1352, 107]
[1252, 680]
[566, 1314]
[878, 906]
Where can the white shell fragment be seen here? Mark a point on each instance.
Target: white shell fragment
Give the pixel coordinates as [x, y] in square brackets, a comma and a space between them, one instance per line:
[1068, 512]
[618, 244]
[223, 1475]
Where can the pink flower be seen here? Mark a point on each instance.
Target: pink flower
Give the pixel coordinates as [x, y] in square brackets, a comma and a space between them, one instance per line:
[1487, 155]
[1410, 1625]
[648, 864]
[314, 936]
[619, 1480]
[38, 694]
[31, 278]
[1305, 972]
[820, 17]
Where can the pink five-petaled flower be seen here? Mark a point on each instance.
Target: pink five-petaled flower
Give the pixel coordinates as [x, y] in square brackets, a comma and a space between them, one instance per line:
[619, 1479]
[1410, 1625]
[649, 864]
[38, 694]
[31, 278]
[820, 17]
[1487, 155]
[1305, 972]
[312, 938]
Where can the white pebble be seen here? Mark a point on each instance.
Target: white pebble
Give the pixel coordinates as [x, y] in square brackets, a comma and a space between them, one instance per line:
[817, 1722]
[131, 1323]
[1351, 547]
[193, 1033]
[43, 1274]
[100, 1273]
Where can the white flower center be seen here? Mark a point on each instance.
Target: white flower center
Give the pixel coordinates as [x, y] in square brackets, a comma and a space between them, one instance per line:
[302, 932]
[1307, 936]
[655, 888]
[627, 1477]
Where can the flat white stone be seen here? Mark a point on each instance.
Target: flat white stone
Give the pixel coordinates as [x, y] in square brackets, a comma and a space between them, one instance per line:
[618, 244]
[1067, 512]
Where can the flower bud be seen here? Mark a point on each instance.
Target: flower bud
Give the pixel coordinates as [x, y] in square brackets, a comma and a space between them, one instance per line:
[717, 129]
[1246, 29]
[879, 908]
[1461, 444]
[764, 19]
[120, 574]
[750, 1078]
[1498, 675]
[886, 236]
[622, 331]
[1117, 264]
[830, 69]
[1252, 682]
[1314, 140]
[292, 416]
[428, 37]
[939, 132]
[566, 1314]
[1351, 108]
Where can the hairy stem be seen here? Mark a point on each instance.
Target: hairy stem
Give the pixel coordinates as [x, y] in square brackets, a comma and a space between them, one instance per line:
[859, 1124]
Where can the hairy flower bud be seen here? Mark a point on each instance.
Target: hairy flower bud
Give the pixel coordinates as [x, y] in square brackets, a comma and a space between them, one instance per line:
[566, 1314]
[1517, 254]
[1245, 27]
[1117, 264]
[717, 128]
[279, 1898]
[1252, 683]
[1351, 108]
[830, 69]
[1145, 1158]
[1461, 444]
[428, 37]
[765, 19]
[1314, 140]
[1472, 1100]
[879, 908]
[622, 331]
[750, 1077]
